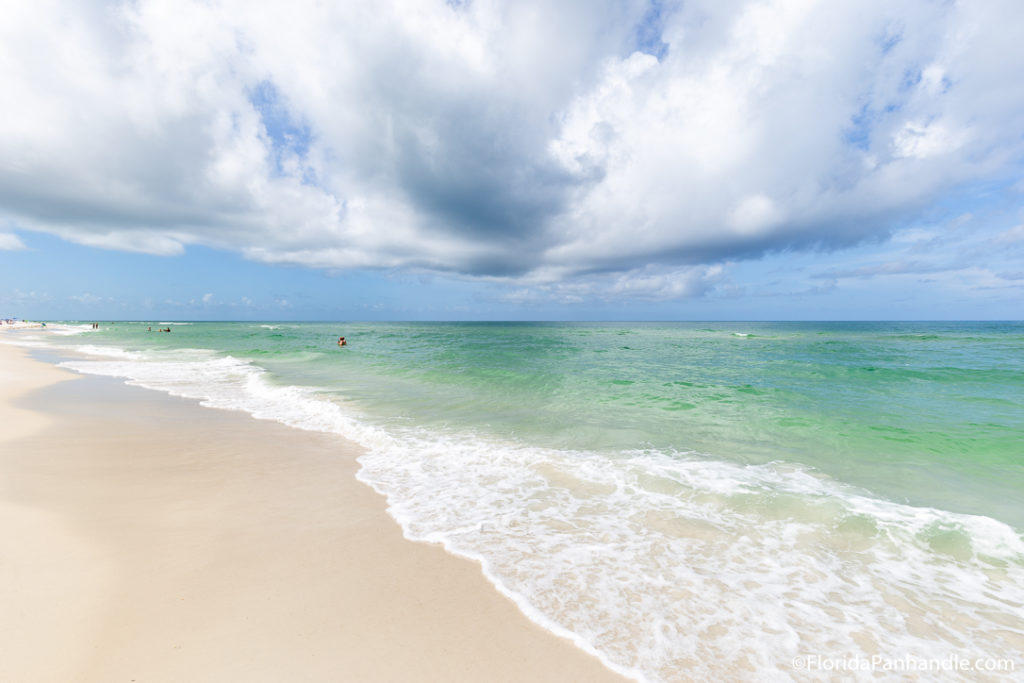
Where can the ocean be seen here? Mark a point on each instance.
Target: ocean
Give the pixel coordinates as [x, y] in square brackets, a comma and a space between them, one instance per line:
[685, 500]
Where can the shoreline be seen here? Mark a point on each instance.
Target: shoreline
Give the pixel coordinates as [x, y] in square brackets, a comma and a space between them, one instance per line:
[168, 541]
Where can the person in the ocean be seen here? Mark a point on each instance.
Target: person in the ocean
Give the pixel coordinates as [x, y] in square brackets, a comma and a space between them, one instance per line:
[341, 341]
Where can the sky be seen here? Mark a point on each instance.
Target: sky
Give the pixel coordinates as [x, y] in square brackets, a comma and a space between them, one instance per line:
[519, 160]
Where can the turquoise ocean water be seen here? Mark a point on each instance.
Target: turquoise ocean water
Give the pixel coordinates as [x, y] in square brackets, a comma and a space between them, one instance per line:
[683, 499]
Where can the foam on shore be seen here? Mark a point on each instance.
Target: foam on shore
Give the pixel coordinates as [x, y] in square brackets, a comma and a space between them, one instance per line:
[173, 543]
[659, 562]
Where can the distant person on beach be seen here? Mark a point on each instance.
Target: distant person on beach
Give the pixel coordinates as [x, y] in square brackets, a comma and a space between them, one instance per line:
[341, 341]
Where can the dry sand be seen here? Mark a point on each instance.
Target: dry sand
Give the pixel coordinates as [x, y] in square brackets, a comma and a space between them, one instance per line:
[145, 538]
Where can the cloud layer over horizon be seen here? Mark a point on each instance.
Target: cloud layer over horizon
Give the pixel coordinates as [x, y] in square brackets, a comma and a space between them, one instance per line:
[526, 142]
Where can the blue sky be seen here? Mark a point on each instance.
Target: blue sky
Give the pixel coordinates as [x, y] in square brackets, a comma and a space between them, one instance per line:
[422, 160]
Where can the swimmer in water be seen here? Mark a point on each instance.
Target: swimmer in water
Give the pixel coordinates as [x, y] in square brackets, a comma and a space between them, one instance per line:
[341, 341]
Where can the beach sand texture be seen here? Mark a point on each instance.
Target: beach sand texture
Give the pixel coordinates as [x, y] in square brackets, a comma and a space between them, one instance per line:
[143, 537]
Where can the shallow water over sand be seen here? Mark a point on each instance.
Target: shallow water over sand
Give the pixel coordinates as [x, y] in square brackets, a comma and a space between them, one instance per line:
[685, 499]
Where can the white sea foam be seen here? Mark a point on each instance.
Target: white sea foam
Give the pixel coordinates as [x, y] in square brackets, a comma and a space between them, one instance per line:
[687, 567]
[109, 351]
[36, 337]
[68, 330]
[228, 383]
[669, 566]
[25, 341]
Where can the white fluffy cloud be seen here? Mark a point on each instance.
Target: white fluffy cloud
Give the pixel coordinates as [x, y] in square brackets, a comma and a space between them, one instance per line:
[10, 242]
[528, 140]
[777, 124]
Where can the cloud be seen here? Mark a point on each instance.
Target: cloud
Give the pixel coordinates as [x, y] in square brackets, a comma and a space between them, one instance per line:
[889, 268]
[788, 293]
[651, 141]
[11, 242]
[961, 255]
[651, 284]
[89, 299]
[19, 297]
[1014, 235]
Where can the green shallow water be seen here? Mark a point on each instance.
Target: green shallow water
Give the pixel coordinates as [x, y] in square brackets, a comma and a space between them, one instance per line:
[632, 486]
[924, 413]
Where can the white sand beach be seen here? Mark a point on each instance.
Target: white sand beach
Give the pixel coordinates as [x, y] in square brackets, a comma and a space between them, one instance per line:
[145, 538]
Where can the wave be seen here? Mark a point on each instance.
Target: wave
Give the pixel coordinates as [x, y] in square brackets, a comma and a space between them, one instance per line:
[674, 562]
[109, 351]
[661, 563]
[68, 330]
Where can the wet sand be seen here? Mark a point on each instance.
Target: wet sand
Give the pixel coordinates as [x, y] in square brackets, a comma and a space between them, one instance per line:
[145, 538]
